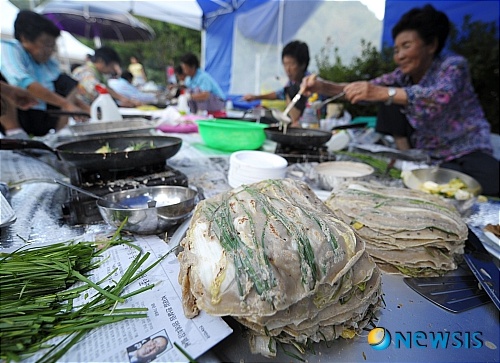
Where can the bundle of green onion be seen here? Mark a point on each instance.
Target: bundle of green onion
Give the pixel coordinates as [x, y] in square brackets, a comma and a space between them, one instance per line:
[38, 295]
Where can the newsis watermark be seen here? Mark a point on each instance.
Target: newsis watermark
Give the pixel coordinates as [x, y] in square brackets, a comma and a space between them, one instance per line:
[380, 338]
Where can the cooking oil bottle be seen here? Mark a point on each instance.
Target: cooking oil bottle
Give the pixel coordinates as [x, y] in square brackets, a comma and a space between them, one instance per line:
[309, 118]
[104, 107]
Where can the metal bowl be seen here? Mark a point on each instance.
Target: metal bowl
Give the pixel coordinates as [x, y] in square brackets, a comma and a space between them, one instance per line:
[332, 174]
[414, 179]
[133, 126]
[173, 205]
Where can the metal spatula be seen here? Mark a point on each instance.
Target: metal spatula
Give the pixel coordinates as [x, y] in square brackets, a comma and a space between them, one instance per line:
[460, 293]
[453, 293]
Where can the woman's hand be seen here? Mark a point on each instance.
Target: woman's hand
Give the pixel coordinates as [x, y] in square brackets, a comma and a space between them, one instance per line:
[358, 91]
[365, 91]
[311, 84]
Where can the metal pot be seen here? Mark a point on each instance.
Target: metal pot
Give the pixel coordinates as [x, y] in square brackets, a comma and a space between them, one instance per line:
[82, 154]
[173, 205]
[332, 174]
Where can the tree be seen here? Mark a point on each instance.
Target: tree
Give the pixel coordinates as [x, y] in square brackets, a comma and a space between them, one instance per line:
[478, 42]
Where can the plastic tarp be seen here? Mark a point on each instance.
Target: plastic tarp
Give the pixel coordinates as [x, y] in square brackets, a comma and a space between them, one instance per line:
[485, 11]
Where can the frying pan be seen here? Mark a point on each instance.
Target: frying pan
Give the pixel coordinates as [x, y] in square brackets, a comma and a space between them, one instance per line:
[82, 154]
[305, 137]
[298, 136]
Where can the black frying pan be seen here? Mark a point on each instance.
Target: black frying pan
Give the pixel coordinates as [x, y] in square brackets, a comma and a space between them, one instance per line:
[306, 137]
[296, 136]
[81, 154]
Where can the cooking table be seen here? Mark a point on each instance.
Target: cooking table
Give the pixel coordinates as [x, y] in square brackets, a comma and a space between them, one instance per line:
[37, 203]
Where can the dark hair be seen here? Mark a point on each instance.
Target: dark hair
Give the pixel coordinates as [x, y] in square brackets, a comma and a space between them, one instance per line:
[429, 23]
[107, 55]
[178, 70]
[127, 76]
[191, 60]
[298, 50]
[31, 25]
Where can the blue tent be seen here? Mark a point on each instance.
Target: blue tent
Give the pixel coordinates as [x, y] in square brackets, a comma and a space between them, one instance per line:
[264, 21]
[485, 11]
[275, 22]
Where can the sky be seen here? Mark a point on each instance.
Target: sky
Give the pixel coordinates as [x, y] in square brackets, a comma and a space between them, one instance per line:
[376, 6]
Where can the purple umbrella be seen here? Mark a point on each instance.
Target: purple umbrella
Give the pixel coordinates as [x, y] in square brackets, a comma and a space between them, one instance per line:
[96, 21]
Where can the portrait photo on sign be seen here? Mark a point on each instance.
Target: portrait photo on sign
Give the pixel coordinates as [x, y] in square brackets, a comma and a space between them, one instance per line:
[150, 348]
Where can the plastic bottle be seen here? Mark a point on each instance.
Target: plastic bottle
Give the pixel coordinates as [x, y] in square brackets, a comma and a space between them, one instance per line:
[309, 118]
[104, 108]
[182, 103]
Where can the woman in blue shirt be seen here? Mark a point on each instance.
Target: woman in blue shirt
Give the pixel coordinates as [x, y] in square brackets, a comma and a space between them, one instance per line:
[204, 92]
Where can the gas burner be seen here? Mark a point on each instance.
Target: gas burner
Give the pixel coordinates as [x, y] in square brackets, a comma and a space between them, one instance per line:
[82, 209]
[304, 154]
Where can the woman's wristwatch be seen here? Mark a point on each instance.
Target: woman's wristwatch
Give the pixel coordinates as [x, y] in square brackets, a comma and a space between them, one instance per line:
[391, 91]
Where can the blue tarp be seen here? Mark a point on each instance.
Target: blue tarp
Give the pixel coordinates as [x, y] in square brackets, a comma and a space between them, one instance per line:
[218, 22]
[260, 23]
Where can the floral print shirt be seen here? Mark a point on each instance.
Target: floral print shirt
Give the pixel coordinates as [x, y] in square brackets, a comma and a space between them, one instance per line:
[443, 109]
[88, 77]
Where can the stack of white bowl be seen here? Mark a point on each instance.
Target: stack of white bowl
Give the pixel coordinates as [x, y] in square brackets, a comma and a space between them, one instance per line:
[249, 166]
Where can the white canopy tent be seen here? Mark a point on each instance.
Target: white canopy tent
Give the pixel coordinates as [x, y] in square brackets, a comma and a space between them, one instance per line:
[69, 49]
[234, 50]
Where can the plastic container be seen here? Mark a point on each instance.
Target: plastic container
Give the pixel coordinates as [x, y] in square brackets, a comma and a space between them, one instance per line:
[182, 104]
[232, 135]
[104, 108]
[309, 118]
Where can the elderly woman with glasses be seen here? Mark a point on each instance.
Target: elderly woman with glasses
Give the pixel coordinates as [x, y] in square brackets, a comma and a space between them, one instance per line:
[27, 63]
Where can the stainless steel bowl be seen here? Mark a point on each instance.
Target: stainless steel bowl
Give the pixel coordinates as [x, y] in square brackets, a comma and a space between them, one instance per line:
[414, 179]
[132, 126]
[332, 174]
[173, 205]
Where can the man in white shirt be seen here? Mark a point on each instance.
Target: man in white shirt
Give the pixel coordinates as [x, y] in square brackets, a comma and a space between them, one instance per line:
[124, 86]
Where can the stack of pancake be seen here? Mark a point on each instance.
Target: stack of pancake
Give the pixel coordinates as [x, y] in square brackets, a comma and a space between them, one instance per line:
[406, 231]
[275, 258]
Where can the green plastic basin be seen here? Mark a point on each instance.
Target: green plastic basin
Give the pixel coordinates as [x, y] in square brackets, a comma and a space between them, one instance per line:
[232, 135]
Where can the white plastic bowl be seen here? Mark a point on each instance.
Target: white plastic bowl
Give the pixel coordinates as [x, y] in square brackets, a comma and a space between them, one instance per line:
[249, 166]
[258, 160]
